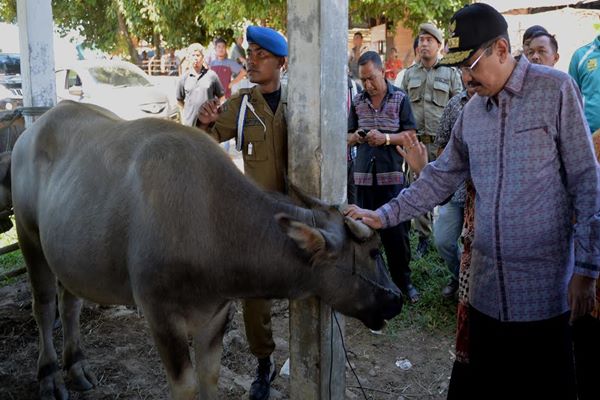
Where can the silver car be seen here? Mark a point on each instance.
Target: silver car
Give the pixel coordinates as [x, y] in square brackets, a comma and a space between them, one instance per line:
[118, 86]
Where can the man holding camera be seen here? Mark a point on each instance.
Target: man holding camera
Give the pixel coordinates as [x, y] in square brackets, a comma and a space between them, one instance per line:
[380, 119]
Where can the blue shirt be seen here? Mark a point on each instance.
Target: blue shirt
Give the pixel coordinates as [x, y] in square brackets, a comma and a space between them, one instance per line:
[585, 69]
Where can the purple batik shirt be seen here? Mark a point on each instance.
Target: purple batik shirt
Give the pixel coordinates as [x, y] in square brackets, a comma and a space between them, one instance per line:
[532, 163]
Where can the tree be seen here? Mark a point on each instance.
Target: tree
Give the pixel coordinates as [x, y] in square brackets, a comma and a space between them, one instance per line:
[117, 26]
[411, 13]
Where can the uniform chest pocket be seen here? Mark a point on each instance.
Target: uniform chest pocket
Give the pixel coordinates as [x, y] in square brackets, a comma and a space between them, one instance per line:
[441, 93]
[415, 92]
[255, 143]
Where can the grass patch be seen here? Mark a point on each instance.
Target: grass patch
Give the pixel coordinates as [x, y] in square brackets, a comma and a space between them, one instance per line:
[10, 261]
[433, 312]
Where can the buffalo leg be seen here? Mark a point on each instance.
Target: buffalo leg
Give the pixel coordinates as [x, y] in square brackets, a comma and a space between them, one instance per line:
[208, 347]
[170, 335]
[43, 289]
[74, 362]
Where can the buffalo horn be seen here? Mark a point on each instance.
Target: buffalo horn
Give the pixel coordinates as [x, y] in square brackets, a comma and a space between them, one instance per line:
[358, 229]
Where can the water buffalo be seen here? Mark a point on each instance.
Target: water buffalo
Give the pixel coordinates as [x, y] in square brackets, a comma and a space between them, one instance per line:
[152, 213]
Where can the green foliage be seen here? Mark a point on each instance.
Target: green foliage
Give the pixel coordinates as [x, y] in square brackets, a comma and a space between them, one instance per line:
[8, 11]
[223, 15]
[411, 13]
[433, 312]
[116, 25]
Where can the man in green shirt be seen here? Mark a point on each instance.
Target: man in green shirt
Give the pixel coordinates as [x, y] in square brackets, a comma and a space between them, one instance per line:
[429, 87]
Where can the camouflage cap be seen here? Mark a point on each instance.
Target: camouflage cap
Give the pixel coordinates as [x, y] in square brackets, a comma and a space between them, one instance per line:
[432, 30]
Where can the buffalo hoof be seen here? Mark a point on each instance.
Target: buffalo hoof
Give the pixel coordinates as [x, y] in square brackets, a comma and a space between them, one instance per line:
[53, 387]
[81, 376]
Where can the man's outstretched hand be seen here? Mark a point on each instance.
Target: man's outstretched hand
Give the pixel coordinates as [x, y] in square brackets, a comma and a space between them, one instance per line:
[368, 217]
[209, 113]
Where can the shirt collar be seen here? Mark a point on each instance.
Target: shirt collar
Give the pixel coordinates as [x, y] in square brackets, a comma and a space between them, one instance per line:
[193, 72]
[389, 91]
[597, 41]
[434, 66]
[517, 78]
[463, 95]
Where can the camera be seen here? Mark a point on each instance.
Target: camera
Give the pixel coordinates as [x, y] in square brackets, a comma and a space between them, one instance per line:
[362, 133]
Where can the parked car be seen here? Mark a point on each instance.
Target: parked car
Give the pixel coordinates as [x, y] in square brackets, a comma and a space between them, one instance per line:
[11, 95]
[118, 86]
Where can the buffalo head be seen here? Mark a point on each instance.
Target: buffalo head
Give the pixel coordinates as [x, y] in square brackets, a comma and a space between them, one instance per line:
[346, 267]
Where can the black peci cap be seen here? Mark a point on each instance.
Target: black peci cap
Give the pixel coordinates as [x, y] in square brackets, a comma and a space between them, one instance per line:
[471, 27]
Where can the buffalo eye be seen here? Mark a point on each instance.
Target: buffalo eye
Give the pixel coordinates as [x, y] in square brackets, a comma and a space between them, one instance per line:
[374, 253]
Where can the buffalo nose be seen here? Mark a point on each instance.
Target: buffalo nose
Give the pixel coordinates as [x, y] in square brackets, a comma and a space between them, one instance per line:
[392, 305]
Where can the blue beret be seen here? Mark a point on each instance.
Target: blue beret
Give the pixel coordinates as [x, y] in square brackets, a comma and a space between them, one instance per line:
[268, 39]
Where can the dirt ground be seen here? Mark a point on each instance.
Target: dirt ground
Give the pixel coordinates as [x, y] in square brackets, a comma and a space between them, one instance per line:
[118, 345]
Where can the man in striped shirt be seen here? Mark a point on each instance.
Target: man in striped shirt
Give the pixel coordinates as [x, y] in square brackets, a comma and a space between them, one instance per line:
[382, 112]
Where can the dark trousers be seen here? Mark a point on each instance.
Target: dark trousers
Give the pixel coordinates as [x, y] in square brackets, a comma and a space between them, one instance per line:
[586, 340]
[351, 188]
[395, 240]
[460, 381]
[521, 360]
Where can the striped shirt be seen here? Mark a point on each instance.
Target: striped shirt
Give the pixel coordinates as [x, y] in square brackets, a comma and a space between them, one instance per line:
[532, 164]
[380, 165]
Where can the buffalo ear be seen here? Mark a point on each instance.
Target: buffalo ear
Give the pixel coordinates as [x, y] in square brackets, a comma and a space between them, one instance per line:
[308, 239]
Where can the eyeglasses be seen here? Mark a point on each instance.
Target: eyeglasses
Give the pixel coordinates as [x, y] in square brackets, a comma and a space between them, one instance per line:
[464, 69]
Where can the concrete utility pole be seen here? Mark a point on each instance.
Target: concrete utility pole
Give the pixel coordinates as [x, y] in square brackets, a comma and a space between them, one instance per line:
[37, 56]
[317, 125]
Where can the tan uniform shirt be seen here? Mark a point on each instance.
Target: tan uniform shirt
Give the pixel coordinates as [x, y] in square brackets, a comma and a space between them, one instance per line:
[264, 150]
[429, 92]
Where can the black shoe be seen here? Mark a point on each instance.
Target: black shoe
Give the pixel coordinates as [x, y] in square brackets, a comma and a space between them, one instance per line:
[265, 373]
[451, 288]
[422, 248]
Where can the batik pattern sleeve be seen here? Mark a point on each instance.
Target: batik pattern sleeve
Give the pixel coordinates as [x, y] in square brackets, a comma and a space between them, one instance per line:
[437, 181]
[582, 180]
[456, 85]
[447, 121]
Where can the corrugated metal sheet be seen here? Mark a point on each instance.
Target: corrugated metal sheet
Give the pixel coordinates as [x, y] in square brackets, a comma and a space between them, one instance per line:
[507, 5]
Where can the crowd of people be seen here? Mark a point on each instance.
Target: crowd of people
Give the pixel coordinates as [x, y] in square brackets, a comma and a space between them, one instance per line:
[502, 145]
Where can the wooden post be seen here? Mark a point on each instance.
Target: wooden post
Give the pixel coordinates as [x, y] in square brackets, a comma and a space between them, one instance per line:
[37, 55]
[317, 125]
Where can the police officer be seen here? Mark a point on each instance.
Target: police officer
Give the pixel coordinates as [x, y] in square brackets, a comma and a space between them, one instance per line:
[255, 117]
[429, 87]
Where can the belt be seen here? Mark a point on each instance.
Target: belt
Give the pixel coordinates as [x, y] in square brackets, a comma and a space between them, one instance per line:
[426, 139]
